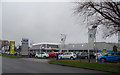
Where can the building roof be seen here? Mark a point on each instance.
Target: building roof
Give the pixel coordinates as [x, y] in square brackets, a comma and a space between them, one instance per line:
[46, 43]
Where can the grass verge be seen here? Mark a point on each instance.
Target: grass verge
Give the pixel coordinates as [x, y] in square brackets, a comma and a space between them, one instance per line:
[96, 66]
[14, 56]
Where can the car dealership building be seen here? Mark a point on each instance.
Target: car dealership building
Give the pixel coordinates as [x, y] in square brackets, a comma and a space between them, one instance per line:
[78, 47]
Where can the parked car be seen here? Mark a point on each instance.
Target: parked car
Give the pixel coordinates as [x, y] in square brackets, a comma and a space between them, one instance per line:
[31, 54]
[68, 55]
[112, 57]
[52, 54]
[42, 55]
[84, 55]
[99, 54]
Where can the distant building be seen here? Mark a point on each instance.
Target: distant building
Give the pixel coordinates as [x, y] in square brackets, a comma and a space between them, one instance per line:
[79, 47]
[75, 47]
[45, 47]
[98, 46]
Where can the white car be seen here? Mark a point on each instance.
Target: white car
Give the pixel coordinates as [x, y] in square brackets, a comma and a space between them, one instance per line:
[42, 55]
[68, 55]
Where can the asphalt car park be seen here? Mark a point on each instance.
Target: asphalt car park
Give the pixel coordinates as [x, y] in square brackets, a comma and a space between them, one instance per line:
[14, 65]
[41, 61]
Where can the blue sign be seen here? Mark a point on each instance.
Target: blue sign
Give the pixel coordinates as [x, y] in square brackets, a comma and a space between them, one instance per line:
[25, 40]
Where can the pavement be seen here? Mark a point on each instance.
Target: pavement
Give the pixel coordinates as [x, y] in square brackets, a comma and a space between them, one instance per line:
[34, 65]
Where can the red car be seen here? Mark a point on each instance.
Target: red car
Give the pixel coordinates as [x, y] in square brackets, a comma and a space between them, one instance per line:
[52, 55]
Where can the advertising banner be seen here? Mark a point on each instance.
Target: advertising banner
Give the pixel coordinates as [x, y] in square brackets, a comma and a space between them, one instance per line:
[25, 47]
[12, 46]
[63, 38]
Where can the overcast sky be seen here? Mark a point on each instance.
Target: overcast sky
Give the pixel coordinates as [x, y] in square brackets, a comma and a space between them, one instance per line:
[0, 20]
[44, 22]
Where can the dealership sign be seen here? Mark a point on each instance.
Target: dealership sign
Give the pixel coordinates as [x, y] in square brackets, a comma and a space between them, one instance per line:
[24, 47]
[12, 46]
[24, 41]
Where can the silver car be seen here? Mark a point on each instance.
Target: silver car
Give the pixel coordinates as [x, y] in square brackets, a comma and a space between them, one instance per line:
[42, 55]
[68, 55]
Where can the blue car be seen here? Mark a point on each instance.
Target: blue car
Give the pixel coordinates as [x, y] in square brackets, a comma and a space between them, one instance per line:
[110, 57]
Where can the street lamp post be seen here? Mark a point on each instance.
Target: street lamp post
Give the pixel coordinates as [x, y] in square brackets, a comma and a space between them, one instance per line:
[88, 55]
[83, 50]
[83, 47]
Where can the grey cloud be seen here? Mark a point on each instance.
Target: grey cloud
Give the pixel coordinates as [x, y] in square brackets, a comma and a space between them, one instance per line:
[42, 22]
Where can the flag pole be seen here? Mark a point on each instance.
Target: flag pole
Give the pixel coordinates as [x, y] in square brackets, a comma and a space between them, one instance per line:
[63, 38]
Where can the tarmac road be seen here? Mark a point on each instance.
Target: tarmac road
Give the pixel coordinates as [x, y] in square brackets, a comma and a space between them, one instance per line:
[33, 65]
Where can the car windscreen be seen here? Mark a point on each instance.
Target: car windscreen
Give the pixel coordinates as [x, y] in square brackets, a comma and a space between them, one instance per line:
[118, 53]
[49, 53]
[83, 53]
[40, 53]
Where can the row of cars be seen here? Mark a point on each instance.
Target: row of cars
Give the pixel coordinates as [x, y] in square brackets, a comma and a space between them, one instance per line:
[113, 56]
[70, 55]
[46, 55]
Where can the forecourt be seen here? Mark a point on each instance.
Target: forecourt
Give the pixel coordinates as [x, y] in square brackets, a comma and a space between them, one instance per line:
[15, 65]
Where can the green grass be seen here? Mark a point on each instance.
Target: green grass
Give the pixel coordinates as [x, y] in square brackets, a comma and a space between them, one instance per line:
[97, 66]
[13, 56]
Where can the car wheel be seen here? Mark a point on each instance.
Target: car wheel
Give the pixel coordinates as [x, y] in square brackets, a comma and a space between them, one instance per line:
[86, 57]
[71, 58]
[44, 57]
[102, 59]
[36, 56]
[60, 58]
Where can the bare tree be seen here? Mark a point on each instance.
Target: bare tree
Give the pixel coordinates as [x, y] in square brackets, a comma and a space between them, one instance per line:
[107, 13]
